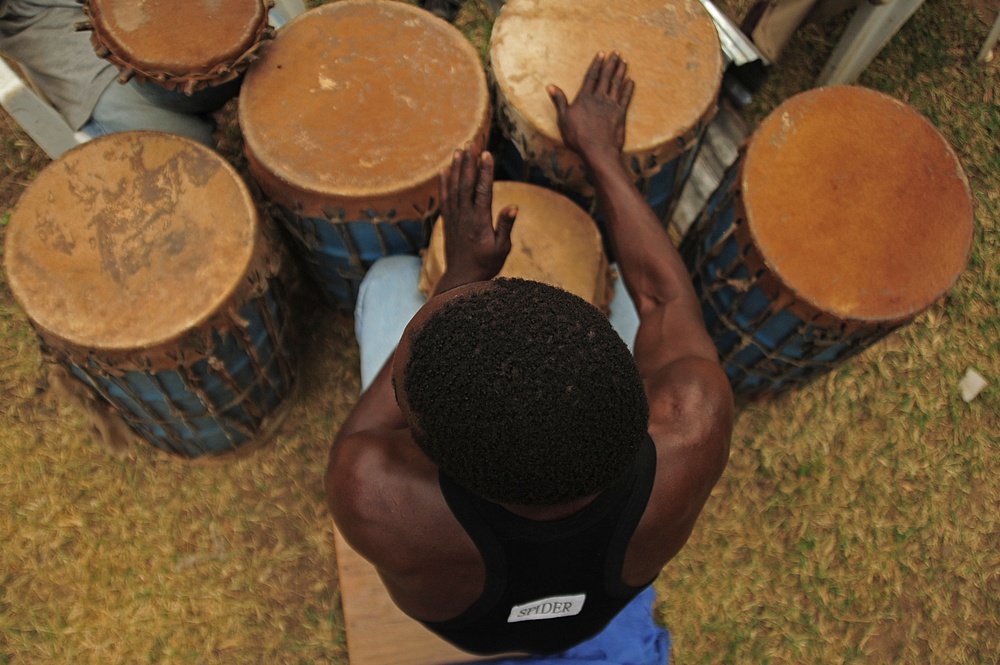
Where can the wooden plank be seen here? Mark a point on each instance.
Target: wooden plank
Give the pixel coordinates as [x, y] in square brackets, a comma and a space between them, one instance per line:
[378, 633]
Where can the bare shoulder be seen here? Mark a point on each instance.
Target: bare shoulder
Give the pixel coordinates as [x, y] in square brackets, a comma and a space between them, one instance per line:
[376, 482]
[691, 423]
[386, 501]
[691, 418]
[691, 406]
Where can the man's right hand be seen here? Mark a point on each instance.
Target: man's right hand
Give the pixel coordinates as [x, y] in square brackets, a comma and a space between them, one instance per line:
[474, 249]
[593, 126]
[671, 326]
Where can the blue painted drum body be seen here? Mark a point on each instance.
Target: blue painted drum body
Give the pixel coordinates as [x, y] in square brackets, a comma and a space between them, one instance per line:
[763, 346]
[348, 135]
[140, 259]
[337, 254]
[846, 215]
[674, 56]
[216, 403]
[204, 100]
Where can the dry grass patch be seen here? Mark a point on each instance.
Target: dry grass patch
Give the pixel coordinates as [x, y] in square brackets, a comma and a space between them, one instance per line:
[857, 521]
[152, 559]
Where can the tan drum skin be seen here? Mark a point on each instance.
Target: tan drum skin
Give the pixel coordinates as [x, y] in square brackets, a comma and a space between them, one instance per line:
[553, 241]
[181, 45]
[673, 54]
[856, 205]
[116, 246]
[356, 106]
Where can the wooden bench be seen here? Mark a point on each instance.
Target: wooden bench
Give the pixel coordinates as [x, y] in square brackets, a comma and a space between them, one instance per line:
[378, 633]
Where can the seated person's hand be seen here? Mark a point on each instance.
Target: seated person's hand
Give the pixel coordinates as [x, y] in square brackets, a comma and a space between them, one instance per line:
[593, 126]
[474, 250]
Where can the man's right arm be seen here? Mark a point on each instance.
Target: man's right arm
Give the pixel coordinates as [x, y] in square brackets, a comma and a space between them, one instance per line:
[671, 325]
[676, 356]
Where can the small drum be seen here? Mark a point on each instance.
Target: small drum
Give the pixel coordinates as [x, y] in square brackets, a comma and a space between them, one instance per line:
[673, 54]
[553, 241]
[197, 49]
[348, 118]
[846, 215]
[141, 263]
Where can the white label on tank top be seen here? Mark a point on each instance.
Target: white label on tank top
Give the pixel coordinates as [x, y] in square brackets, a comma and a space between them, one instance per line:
[547, 608]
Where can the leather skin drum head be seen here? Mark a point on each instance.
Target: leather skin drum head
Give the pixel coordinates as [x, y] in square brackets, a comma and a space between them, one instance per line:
[857, 204]
[130, 240]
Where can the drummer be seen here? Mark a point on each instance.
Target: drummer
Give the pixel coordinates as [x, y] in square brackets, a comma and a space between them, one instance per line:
[517, 477]
[40, 36]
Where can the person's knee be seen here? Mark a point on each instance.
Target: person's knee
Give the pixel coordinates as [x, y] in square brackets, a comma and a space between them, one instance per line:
[389, 275]
[390, 271]
[122, 108]
[389, 267]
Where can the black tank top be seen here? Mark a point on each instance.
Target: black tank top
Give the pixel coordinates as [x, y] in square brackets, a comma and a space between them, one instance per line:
[549, 585]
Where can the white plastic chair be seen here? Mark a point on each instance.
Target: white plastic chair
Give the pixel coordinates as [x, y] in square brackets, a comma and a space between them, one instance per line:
[44, 124]
[991, 41]
[35, 114]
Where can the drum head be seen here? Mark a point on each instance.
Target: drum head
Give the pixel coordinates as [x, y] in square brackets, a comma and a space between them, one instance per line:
[857, 204]
[671, 46]
[177, 39]
[553, 241]
[129, 240]
[358, 101]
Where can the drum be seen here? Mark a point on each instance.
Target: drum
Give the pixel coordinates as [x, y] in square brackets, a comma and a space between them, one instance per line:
[347, 119]
[188, 56]
[673, 53]
[846, 215]
[140, 260]
[553, 241]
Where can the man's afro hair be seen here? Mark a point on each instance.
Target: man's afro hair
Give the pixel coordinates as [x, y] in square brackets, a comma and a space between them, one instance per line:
[524, 394]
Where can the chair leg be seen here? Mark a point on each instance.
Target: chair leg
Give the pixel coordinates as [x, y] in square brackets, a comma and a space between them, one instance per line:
[991, 40]
[870, 29]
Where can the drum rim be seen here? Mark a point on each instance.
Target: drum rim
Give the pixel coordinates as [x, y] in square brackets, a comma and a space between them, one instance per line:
[653, 144]
[45, 325]
[750, 235]
[220, 68]
[313, 190]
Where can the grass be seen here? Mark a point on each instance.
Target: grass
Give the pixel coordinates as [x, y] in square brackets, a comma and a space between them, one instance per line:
[856, 523]
[857, 519]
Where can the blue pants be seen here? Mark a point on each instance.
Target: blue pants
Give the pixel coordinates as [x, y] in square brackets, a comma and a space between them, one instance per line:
[388, 298]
